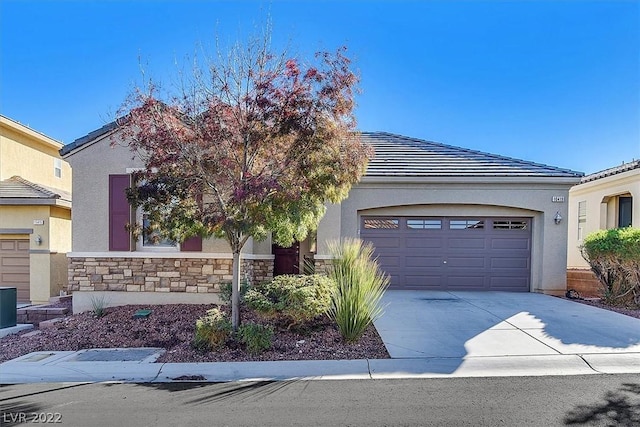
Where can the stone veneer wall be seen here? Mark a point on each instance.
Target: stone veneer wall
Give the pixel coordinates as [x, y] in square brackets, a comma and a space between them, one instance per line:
[193, 275]
[322, 265]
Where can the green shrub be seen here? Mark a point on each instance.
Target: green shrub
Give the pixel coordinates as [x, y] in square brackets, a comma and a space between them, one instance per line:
[225, 291]
[292, 299]
[614, 257]
[257, 338]
[212, 330]
[360, 285]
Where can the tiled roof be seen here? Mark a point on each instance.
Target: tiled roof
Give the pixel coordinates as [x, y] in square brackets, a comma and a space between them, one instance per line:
[91, 136]
[634, 164]
[19, 188]
[401, 156]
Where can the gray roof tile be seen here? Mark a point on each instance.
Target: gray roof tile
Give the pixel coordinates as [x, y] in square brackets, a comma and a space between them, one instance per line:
[401, 156]
[634, 164]
[19, 188]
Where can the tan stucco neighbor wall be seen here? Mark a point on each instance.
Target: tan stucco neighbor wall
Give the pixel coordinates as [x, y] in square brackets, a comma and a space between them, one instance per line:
[32, 156]
[47, 261]
[455, 197]
[601, 197]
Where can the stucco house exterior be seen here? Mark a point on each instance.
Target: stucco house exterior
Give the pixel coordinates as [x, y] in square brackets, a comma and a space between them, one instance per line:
[601, 201]
[440, 217]
[35, 213]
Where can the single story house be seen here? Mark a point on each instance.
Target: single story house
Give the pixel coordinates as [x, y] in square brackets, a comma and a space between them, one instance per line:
[601, 201]
[35, 213]
[440, 217]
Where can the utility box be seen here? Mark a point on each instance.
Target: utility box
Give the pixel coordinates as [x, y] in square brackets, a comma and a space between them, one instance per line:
[8, 307]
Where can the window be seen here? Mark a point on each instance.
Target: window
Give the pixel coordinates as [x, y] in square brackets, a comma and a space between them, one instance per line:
[462, 224]
[57, 168]
[152, 239]
[582, 218]
[384, 223]
[424, 224]
[510, 225]
[624, 211]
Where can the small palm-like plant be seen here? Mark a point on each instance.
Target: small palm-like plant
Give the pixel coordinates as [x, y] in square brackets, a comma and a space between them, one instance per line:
[360, 285]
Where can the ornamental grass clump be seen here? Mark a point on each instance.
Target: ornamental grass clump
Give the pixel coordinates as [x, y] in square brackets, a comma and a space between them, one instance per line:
[360, 285]
[291, 299]
[614, 257]
[212, 330]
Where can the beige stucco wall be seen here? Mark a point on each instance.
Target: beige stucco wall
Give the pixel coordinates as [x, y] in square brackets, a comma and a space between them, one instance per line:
[92, 166]
[47, 261]
[30, 155]
[602, 209]
[454, 197]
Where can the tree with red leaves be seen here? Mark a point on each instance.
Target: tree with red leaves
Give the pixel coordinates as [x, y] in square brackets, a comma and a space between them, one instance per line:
[252, 144]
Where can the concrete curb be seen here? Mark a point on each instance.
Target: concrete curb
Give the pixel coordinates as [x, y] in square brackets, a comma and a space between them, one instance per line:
[60, 367]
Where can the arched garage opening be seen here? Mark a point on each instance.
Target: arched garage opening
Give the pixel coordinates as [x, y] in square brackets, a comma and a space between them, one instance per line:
[452, 252]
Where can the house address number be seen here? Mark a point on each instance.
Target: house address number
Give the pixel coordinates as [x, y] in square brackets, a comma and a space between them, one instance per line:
[38, 222]
[557, 199]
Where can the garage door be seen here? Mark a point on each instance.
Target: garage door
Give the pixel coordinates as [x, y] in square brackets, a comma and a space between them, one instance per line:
[14, 266]
[452, 253]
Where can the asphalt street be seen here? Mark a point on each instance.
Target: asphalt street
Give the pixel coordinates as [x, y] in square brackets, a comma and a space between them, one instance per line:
[514, 401]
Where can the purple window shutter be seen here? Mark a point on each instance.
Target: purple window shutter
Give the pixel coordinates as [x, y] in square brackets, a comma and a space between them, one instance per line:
[193, 244]
[119, 213]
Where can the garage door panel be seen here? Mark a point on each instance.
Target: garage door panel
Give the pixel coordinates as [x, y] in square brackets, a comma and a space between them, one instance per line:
[14, 260]
[465, 262]
[423, 262]
[426, 242]
[495, 256]
[11, 261]
[514, 263]
[466, 243]
[506, 243]
[386, 242]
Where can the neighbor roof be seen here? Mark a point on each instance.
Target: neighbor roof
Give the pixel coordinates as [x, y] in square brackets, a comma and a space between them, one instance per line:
[634, 164]
[17, 189]
[401, 156]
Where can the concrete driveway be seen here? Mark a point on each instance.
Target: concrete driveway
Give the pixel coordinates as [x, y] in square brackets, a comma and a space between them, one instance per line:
[449, 328]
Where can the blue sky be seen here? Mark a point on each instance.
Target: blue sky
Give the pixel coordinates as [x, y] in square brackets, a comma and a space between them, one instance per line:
[555, 82]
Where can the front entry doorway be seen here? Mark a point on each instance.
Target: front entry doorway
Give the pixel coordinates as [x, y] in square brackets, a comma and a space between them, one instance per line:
[287, 260]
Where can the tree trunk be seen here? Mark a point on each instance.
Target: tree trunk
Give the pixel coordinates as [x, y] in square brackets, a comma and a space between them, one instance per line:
[235, 291]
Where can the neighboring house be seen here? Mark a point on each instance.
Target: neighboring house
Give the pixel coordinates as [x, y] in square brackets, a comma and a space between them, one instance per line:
[603, 200]
[440, 217]
[35, 213]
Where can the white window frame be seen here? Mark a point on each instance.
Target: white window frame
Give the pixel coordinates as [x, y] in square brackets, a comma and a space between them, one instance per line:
[57, 168]
[141, 247]
[582, 219]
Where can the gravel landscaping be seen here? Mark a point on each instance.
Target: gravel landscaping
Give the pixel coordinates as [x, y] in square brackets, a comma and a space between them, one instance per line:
[172, 327]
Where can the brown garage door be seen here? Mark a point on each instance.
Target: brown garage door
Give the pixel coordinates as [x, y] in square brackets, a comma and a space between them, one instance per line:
[452, 253]
[14, 266]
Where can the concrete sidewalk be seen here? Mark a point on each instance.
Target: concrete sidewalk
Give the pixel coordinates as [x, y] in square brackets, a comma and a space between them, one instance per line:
[427, 334]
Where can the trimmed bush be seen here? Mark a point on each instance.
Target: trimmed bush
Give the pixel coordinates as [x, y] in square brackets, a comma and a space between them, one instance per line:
[257, 338]
[614, 257]
[360, 285]
[292, 299]
[212, 330]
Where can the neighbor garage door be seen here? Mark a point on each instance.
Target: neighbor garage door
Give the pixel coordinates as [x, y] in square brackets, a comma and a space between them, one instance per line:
[14, 266]
[452, 253]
